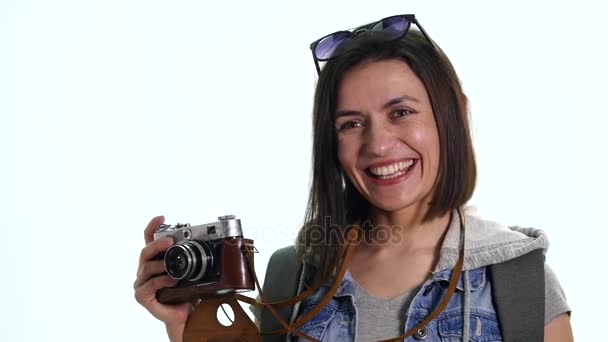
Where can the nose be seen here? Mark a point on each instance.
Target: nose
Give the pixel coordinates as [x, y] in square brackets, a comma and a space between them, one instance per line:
[379, 140]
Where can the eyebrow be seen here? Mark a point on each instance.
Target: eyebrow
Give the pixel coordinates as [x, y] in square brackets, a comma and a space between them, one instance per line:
[388, 104]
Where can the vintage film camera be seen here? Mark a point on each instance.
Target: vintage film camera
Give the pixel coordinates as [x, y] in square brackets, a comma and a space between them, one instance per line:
[207, 260]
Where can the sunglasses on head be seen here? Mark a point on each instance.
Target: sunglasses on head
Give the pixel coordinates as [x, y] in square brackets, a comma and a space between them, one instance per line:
[394, 27]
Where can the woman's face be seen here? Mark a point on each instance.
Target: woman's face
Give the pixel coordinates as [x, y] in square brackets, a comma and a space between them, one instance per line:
[388, 143]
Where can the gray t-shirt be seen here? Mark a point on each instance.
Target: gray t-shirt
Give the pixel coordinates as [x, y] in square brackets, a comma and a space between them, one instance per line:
[555, 299]
[379, 319]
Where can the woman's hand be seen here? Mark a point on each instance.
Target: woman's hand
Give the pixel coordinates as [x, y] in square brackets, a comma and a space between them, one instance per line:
[151, 277]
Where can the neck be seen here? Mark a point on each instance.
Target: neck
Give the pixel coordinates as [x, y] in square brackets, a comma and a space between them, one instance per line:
[407, 230]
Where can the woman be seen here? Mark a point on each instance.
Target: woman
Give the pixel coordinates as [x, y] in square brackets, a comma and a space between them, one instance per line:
[392, 153]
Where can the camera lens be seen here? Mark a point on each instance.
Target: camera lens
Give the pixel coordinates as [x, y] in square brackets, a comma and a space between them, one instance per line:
[188, 261]
[178, 262]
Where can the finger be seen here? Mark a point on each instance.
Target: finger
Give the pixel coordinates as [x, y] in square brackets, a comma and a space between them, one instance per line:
[147, 292]
[154, 248]
[152, 227]
[149, 270]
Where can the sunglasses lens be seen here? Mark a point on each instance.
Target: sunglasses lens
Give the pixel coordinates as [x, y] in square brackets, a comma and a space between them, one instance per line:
[328, 45]
[394, 26]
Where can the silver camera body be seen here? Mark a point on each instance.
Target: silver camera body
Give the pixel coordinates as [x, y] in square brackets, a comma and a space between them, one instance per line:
[227, 227]
[195, 257]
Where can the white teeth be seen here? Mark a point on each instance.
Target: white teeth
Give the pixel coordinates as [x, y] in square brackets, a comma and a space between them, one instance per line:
[394, 175]
[392, 170]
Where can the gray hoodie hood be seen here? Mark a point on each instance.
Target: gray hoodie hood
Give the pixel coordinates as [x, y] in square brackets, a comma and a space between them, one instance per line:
[487, 242]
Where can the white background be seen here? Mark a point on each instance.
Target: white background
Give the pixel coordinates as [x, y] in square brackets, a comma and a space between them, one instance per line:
[114, 111]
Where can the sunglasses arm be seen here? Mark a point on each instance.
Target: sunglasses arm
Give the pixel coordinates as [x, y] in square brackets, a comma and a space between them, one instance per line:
[316, 62]
[424, 32]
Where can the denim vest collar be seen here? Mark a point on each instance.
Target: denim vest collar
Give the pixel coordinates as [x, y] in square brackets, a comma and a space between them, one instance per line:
[477, 279]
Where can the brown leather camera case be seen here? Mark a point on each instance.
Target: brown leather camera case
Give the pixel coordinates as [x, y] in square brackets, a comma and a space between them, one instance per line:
[234, 275]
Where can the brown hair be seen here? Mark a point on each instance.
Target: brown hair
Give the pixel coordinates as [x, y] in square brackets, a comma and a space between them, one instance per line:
[334, 203]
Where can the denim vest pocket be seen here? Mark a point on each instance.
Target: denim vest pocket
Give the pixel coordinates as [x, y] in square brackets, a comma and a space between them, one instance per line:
[483, 328]
[477, 279]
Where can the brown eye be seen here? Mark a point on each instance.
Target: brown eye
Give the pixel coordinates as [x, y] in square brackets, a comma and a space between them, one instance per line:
[348, 125]
[401, 112]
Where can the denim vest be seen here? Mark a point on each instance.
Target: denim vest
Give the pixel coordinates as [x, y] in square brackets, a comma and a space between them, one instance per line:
[337, 321]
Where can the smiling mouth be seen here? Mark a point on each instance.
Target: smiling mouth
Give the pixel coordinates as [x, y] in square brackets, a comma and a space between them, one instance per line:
[391, 171]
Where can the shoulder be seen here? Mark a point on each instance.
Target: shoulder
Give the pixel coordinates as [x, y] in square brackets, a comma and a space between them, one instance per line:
[287, 263]
[488, 242]
[284, 262]
[287, 253]
[555, 298]
[482, 233]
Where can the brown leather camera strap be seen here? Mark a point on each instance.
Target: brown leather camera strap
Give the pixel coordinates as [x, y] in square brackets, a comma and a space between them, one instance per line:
[348, 249]
[352, 235]
[301, 296]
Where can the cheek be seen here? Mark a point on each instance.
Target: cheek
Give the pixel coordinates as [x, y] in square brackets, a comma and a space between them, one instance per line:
[431, 155]
[433, 144]
[426, 141]
[419, 137]
[347, 154]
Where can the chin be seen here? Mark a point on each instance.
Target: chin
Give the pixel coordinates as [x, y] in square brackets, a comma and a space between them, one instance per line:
[393, 206]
